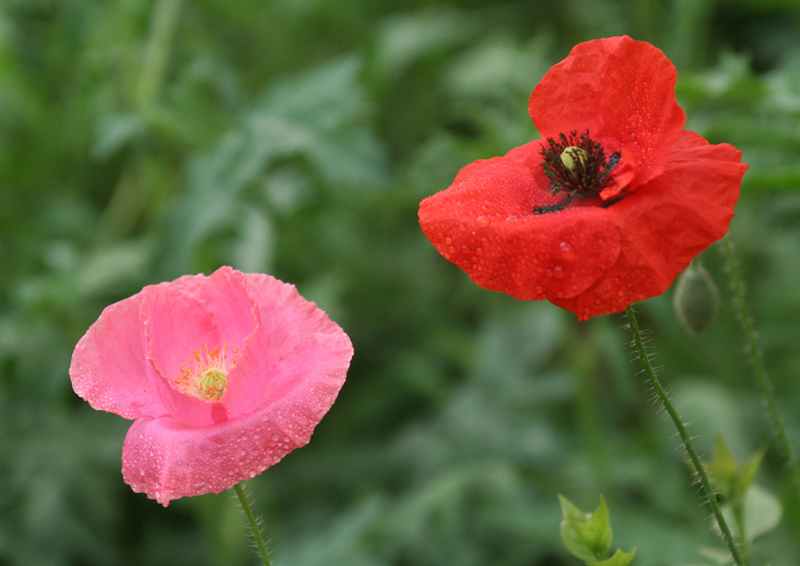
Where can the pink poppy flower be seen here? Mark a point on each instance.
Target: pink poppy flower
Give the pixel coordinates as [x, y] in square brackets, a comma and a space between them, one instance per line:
[224, 375]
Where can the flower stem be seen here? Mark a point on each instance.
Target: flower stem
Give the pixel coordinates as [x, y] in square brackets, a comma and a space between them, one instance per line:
[758, 363]
[591, 427]
[254, 528]
[687, 441]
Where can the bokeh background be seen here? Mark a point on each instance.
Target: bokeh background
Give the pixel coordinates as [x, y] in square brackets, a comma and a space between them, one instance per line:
[141, 140]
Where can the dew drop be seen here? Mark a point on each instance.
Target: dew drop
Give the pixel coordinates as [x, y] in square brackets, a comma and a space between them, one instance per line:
[448, 241]
[276, 459]
[566, 250]
[558, 272]
[482, 221]
[141, 436]
[275, 437]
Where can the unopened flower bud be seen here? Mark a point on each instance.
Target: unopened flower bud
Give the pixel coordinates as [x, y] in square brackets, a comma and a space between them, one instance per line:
[696, 298]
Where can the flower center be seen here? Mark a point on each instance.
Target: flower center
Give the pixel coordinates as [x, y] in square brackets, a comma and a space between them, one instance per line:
[205, 374]
[576, 165]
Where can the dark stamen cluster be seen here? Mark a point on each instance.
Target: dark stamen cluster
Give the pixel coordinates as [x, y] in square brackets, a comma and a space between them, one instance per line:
[588, 174]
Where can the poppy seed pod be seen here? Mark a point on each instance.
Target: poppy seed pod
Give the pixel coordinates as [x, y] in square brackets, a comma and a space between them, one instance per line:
[696, 298]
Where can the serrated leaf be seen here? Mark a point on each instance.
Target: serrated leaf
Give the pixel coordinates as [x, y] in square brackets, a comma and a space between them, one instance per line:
[620, 558]
[587, 537]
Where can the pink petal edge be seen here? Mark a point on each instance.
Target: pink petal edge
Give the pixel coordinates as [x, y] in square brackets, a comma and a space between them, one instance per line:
[109, 367]
[168, 460]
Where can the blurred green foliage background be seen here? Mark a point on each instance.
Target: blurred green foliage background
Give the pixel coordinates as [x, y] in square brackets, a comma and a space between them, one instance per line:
[141, 140]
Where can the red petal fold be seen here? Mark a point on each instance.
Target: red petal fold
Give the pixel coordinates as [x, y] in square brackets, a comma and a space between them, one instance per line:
[666, 223]
[485, 224]
[623, 92]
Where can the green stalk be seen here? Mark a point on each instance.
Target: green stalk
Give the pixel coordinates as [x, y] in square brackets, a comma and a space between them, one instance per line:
[128, 199]
[758, 364]
[584, 365]
[254, 528]
[156, 55]
[687, 441]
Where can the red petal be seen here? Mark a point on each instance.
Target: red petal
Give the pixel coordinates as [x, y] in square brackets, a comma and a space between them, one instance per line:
[622, 91]
[666, 223]
[485, 224]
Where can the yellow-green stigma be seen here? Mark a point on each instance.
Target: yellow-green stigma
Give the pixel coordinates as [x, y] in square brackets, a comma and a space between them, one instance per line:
[205, 374]
[573, 157]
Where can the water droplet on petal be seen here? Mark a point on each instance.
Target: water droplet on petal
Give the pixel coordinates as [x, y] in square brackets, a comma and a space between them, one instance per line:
[482, 221]
[558, 272]
[566, 250]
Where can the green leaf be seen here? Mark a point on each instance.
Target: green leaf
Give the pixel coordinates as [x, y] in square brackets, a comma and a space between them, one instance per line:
[748, 472]
[724, 466]
[718, 556]
[587, 537]
[619, 559]
[762, 512]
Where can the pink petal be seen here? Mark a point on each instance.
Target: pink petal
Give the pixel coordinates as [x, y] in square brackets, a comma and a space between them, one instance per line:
[109, 367]
[185, 316]
[166, 459]
[304, 344]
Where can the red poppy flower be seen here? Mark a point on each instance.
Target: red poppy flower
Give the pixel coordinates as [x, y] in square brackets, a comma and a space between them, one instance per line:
[606, 209]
